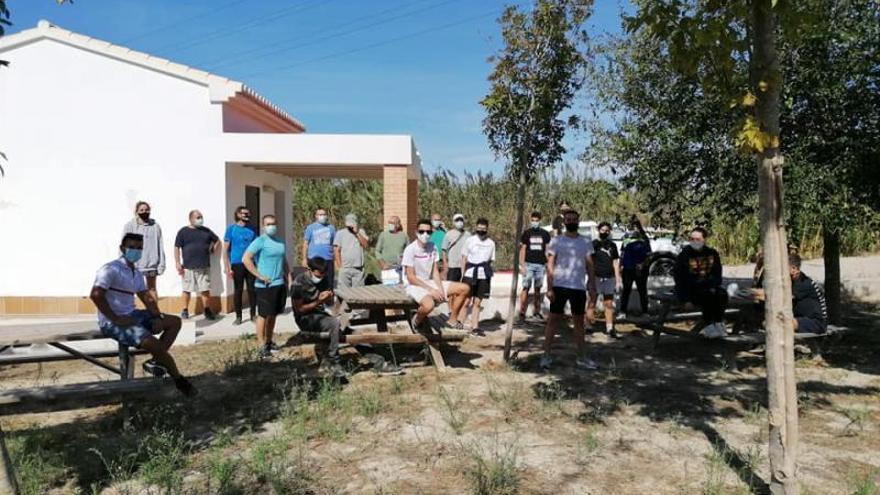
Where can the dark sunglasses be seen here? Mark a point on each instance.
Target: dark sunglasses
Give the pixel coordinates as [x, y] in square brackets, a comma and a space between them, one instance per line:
[425, 231]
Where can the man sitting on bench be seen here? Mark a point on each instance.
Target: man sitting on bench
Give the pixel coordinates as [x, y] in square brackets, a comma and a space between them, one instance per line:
[808, 300]
[310, 293]
[698, 281]
[116, 284]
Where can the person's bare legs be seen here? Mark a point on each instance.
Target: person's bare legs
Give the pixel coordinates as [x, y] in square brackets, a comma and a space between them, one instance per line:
[577, 335]
[269, 328]
[185, 297]
[591, 308]
[523, 301]
[206, 300]
[550, 331]
[261, 331]
[169, 327]
[537, 300]
[609, 312]
[457, 295]
[426, 305]
[475, 313]
[151, 286]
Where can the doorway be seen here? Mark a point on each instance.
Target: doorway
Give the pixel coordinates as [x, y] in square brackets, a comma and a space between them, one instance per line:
[252, 202]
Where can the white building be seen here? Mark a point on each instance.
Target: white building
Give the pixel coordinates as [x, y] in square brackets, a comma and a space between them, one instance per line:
[89, 128]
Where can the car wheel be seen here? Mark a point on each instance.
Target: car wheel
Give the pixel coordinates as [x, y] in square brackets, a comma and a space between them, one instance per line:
[661, 273]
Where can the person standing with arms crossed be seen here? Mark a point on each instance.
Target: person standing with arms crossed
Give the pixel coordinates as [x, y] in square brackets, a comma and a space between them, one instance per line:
[192, 253]
[266, 259]
[318, 243]
[568, 264]
[152, 263]
[237, 238]
[606, 262]
[390, 246]
[348, 251]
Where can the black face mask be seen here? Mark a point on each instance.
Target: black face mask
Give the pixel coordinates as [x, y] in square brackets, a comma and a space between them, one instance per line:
[144, 216]
[571, 227]
[603, 235]
[482, 233]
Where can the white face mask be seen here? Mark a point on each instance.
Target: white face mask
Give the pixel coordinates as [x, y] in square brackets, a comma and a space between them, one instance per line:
[535, 225]
[316, 280]
[271, 229]
[424, 238]
[322, 219]
[435, 223]
[697, 246]
[392, 227]
[459, 224]
[198, 222]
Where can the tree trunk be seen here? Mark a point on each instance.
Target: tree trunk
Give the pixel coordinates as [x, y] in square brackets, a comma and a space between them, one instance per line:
[781, 383]
[514, 280]
[831, 255]
[8, 484]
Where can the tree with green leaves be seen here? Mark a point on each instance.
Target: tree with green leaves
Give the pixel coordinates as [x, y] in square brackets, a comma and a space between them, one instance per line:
[703, 40]
[534, 80]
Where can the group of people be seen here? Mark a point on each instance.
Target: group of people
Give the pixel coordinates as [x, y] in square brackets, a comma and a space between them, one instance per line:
[454, 266]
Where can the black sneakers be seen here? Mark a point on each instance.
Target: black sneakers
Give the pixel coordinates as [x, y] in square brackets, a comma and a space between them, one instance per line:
[151, 367]
[209, 315]
[185, 387]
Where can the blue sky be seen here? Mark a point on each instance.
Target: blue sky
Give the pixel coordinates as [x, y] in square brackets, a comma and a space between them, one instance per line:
[340, 66]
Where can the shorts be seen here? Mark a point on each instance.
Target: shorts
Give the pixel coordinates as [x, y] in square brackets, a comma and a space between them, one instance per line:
[480, 288]
[605, 286]
[418, 293]
[810, 325]
[131, 336]
[534, 276]
[150, 273]
[576, 298]
[350, 277]
[271, 300]
[196, 279]
[453, 275]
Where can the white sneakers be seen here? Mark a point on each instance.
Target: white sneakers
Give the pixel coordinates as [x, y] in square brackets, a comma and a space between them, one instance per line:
[583, 363]
[714, 331]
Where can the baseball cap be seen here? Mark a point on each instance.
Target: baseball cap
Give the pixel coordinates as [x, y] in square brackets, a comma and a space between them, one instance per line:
[351, 219]
[457, 216]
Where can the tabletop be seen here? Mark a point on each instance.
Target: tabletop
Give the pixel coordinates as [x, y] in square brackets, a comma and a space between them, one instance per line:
[44, 332]
[375, 295]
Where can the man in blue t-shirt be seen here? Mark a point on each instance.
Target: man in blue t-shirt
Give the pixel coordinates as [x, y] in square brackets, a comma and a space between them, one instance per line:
[318, 242]
[265, 259]
[237, 238]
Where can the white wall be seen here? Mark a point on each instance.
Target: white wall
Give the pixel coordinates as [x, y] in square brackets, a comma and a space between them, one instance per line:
[87, 136]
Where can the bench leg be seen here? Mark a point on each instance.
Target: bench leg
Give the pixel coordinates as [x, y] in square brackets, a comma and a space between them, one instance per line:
[436, 356]
[378, 316]
[126, 363]
[661, 321]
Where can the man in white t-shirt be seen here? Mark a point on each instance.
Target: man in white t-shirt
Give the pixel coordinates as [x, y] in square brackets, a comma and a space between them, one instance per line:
[568, 263]
[477, 256]
[423, 279]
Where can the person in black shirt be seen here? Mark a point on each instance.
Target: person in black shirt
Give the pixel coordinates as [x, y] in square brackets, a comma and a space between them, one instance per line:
[606, 259]
[808, 300]
[194, 244]
[559, 222]
[533, 262]
[698, 281]
[310, 295]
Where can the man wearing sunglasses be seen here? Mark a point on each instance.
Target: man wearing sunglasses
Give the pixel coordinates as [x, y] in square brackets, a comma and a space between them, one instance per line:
[423, 283]
[192, 253]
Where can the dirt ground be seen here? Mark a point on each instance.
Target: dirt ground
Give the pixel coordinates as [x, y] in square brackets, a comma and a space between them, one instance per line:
[665, 421]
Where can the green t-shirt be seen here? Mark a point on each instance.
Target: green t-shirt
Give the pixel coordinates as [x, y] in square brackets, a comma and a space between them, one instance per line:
[389, 247]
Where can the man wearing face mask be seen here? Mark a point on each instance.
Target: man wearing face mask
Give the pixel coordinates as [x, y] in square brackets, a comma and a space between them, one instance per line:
[568, 264]
[266, 259]
[532, 262]
[348, 253]
[311, 296]
[453, 243]
[152, 263]
[698, 281]
[476, 258]
[192, 253]
[606, 262]
[423, 282]
[439, 232]
[116, 284]
[318, 242]
[390, 245]
[236, 240]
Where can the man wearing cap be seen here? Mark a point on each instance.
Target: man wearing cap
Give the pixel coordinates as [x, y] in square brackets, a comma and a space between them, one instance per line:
[453, 242]
[348, 248]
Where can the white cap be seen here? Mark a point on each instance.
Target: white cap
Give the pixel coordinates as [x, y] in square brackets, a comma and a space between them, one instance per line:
[457, 216]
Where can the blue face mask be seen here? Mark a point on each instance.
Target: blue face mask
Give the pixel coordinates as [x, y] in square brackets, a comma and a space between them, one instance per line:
[133, 255]
[271, 229]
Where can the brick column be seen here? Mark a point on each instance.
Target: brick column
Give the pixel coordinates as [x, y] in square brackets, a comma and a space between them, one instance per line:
[401, 196]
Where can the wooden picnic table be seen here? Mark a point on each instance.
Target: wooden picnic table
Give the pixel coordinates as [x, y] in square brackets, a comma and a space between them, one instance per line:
[377, 299]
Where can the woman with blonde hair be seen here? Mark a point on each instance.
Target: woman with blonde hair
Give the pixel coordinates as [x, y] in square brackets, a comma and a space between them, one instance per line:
[152, 262]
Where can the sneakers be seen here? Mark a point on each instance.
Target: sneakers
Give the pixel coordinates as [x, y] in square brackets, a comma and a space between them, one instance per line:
[455, 326]
[621, 316]
[184, 315]
[420, 326]
[185, 387]
[273, 347]
[522, 318]
[209, 315]
[614, 334]
[237, 321]
[388, 369]
[586, 363]
[479, 333]
[264, 353]
[332, 369]
[546, 363]
[714, 331]
[151, 367]
[538, 316]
